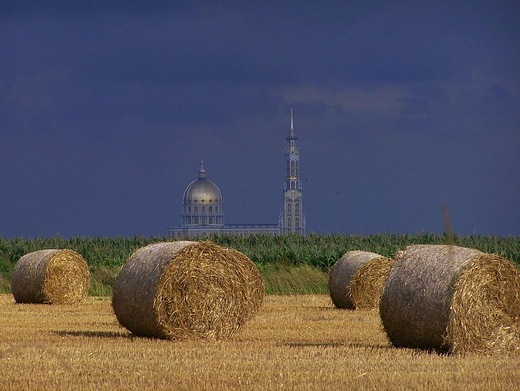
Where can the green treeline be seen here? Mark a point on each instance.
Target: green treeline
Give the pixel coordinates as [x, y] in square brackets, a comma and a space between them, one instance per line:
[272, 254]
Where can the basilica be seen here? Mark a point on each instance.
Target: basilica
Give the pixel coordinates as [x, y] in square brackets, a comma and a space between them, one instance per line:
[203, 213]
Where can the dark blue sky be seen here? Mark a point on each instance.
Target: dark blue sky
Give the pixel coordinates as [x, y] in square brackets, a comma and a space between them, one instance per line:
[106, 110]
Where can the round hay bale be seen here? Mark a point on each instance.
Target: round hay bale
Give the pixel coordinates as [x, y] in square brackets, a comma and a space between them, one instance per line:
[185, 289]
[52, 276]
[367, 284]
[452, 299]
[341, 274]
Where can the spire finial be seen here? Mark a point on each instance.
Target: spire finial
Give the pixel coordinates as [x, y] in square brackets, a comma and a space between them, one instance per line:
[202, 171]
[292, 127]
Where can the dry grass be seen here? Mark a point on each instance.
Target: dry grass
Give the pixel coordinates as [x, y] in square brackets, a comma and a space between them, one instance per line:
[341, 275]
[368, 283]
[454, 299]
[52, 276]
[178, 290]
[293, 343]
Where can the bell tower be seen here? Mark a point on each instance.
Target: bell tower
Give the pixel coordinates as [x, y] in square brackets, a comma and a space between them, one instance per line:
[293, 219]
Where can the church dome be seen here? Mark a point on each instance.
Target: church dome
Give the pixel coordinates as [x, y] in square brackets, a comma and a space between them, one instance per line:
[202, 191]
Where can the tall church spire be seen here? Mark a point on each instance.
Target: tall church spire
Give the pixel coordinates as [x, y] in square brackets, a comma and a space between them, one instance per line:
[292, 122]
[293, 220]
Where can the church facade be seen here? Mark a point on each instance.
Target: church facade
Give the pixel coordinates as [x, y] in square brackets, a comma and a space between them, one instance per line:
[203, 213]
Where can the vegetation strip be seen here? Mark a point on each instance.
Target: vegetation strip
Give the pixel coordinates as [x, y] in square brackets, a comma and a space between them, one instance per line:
[280, 259]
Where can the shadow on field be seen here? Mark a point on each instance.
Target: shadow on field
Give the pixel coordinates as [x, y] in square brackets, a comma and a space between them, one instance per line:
[356, 345]
[314, 345]
[96, 334]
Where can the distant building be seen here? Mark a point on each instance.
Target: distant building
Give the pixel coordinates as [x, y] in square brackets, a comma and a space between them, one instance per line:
[293, 219]
[203, 214]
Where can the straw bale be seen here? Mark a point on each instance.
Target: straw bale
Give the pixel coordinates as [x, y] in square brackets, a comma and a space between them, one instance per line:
[51, 276]
[341, 274]
[452, 299]
[186, 289]
[367, 284]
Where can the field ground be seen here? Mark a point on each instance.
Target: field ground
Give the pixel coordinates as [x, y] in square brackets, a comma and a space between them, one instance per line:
[298, 342]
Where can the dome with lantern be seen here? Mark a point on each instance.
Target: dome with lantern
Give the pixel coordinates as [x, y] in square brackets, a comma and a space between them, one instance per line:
[202, 202]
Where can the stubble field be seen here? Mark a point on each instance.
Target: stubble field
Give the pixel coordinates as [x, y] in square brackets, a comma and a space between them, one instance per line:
[295, 342]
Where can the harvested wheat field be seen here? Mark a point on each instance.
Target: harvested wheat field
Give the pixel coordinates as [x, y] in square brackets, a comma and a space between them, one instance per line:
[293, 343]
